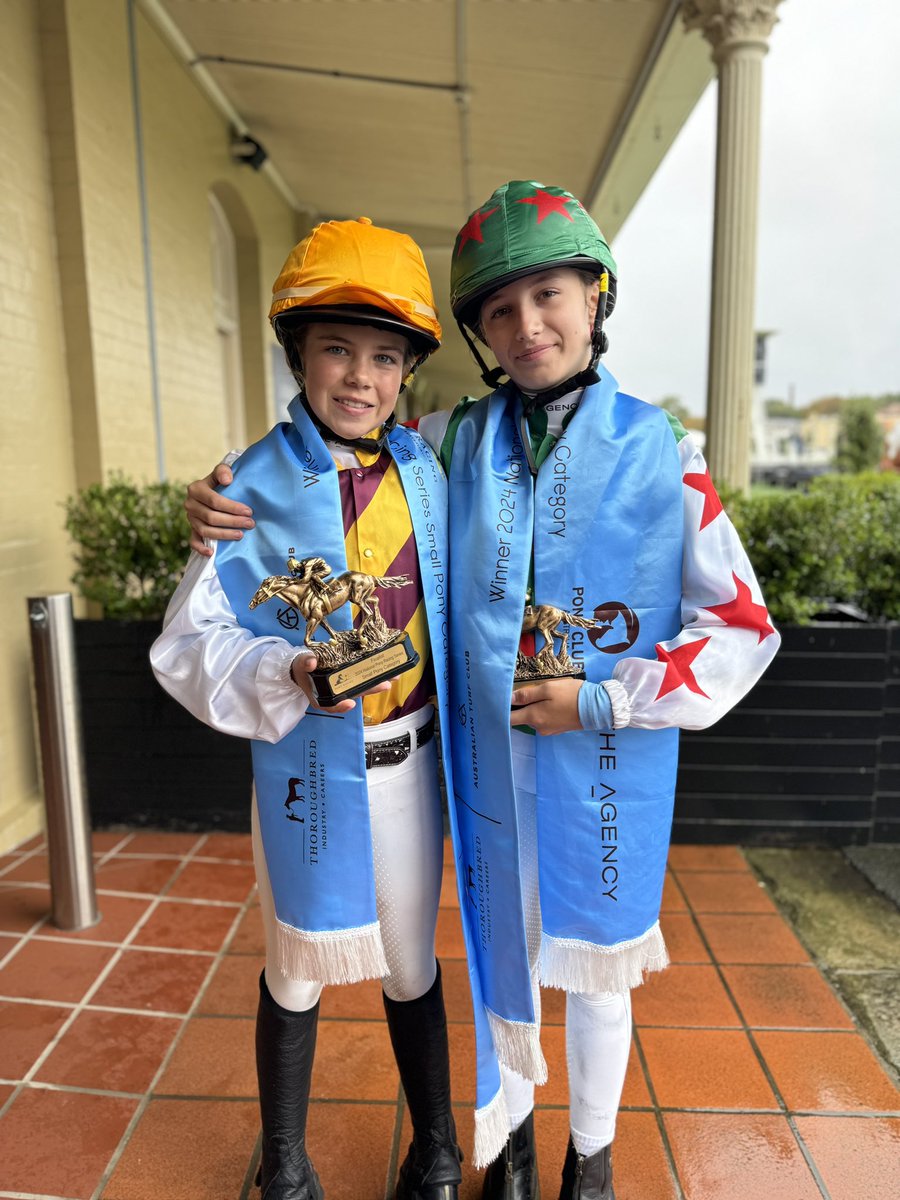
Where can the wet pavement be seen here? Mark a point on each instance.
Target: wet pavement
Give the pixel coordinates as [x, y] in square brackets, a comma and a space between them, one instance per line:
[763, 1065]
[844, 907]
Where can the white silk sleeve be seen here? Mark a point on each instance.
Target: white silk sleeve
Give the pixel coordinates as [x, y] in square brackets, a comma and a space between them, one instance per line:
[433, 427]
[222, 673]
[726, 640]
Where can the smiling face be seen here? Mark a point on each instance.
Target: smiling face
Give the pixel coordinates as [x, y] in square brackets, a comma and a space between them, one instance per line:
[539, 327]
[353, 375]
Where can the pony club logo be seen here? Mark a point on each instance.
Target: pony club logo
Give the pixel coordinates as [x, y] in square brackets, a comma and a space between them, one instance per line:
[616, 627]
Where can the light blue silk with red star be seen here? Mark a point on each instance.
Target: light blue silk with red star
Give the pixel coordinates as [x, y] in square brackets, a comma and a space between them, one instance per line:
[604, 522]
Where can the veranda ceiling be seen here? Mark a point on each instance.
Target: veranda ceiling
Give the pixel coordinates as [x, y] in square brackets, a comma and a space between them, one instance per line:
[412, 111]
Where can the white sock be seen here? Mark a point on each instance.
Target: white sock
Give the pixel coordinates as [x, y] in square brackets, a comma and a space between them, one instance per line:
[598, 1038]
[519, 1095]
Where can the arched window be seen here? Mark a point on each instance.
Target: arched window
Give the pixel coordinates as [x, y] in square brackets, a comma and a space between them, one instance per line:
[227, 318]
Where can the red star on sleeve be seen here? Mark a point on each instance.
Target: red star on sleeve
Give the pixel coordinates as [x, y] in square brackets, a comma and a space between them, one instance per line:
[678, 668]
[471, 231]
[547, 204]
[712, 505]
[742, 611]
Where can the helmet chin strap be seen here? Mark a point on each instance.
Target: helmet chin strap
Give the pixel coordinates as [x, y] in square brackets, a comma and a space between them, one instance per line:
[492, 376]
[368, 445]
[531, 401]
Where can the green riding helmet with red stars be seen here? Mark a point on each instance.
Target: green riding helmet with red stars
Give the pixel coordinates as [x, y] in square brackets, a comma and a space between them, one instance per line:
[526, 227]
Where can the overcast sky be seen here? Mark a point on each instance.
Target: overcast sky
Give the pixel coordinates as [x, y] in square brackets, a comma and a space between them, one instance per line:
[829, 230]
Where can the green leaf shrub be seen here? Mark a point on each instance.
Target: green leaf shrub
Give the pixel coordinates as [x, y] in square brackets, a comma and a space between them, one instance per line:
[860, 442]
[131, 545]
[839, 541]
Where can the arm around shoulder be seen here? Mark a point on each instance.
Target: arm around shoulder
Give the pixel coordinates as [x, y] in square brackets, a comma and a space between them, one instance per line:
[212, 516]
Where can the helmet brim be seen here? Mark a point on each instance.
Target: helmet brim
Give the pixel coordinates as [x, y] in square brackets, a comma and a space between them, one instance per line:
[421, 342]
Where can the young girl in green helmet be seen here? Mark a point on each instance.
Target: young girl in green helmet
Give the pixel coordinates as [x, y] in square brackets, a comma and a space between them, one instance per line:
[568, 495]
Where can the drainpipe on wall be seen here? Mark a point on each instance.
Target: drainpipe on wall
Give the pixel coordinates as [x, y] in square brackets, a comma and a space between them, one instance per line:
[145, 243]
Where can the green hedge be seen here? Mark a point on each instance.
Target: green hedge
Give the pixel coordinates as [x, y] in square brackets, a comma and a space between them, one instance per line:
[837, 542]
[131, 545]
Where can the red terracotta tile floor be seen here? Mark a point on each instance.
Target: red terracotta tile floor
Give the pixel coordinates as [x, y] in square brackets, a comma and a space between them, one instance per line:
[126, 1050]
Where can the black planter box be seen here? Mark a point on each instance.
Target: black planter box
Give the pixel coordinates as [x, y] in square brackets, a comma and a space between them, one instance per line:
[811, 754]
[148, 761]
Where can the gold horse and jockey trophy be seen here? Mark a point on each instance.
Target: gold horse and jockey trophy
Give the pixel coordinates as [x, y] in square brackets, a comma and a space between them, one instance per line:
[548, 662]
[349, 661]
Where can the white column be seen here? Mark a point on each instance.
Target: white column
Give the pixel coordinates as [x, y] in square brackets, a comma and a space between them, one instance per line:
[738, 32]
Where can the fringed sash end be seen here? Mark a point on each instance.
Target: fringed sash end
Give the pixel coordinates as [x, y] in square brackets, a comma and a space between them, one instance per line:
[578, 966]
[333, 956]
[518, 1046]
[491, 1130]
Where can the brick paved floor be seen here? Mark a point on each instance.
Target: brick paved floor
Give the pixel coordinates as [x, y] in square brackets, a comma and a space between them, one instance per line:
[126, 1050]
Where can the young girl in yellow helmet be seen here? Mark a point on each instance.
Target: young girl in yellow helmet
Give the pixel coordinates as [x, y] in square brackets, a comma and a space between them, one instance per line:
[568, 494]
[347, 824]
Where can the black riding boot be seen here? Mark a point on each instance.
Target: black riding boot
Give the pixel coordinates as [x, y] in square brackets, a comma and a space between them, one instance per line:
[285, 1045]
[513, 1176]
[587, 1177]
[418, 1030]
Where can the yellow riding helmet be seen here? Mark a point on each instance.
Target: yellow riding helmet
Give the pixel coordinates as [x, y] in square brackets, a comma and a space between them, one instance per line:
[357, 272]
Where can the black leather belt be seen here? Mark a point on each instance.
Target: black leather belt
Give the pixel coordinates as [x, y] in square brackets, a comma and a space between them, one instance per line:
[393, 751]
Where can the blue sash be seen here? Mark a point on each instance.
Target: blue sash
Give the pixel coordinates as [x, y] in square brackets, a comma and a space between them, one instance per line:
[603, 522]
[311, 786]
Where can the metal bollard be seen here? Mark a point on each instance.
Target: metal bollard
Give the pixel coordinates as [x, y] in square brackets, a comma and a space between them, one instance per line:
[74, 902]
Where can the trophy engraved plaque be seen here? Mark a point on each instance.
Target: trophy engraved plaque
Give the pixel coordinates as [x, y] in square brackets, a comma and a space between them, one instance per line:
[350, 661]
[548, 662]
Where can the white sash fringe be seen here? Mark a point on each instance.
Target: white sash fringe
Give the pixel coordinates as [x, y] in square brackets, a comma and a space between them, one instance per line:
[334, 956]
[491, 1130]
[578, 966]
[518, 1046]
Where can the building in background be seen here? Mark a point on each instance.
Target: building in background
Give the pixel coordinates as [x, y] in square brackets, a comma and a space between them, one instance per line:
[160, 157]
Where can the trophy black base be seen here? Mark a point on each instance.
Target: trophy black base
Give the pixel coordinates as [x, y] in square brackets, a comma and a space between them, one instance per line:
[521, 683]
[331, 685]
